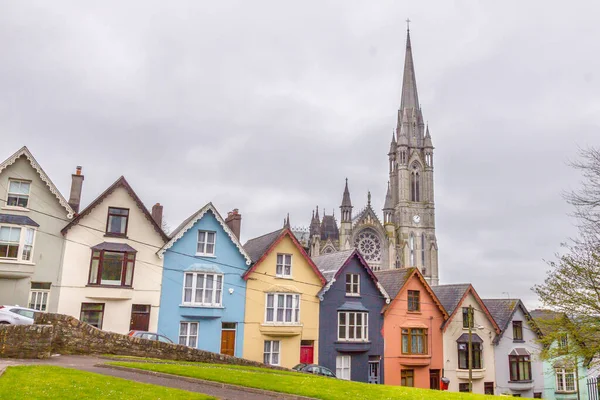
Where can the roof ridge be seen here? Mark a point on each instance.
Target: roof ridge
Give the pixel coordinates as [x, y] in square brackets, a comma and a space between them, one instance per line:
[258, 237]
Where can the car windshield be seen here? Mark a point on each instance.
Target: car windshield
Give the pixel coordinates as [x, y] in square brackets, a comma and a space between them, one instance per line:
[24, 313]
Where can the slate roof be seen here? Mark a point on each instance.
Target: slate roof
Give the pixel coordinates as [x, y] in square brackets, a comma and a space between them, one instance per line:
[17, 220]
[502, 310]
[258, 246]
[111, 246]
[543, 319]
[329, 264]
[393, 280]
[450, 295]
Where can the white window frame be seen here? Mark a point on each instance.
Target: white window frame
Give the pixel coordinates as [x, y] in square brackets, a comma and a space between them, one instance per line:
[270, 352]
[343, 367]
[294, 309]
[354, 282]
[9, 193]
[205, 243]
[39, 298]
[283, 269]
[23, 244]
[216, 298]
[363, 328]
[186, 334]
[561, 380]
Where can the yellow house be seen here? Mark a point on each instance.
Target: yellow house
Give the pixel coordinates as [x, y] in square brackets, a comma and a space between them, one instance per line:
[282, 307]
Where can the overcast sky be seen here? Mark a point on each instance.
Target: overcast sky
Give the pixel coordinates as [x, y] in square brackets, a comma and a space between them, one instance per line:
[268, 105]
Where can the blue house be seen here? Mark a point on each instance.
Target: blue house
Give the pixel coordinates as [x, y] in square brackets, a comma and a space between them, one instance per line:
[203, 294]
[350, 325]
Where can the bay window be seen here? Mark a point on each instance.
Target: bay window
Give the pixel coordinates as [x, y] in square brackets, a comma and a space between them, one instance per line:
[111, 268]
[353, 326]
[16, 243]
[463, 355]
[283, 308]
[203, 289]
[414, 341]
[565, 380]
[520, 368]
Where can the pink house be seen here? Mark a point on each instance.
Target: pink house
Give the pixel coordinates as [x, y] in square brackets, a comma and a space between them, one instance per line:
[412, 330]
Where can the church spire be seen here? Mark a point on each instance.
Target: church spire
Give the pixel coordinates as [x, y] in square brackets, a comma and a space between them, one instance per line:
[410, 98]
[346, 206]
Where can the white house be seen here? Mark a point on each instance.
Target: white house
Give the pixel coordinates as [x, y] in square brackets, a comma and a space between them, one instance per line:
[457, 299]
[32, 213]
[111, 275]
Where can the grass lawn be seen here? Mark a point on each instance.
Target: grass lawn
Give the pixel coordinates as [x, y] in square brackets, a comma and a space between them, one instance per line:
[45, 382]
[296, 383]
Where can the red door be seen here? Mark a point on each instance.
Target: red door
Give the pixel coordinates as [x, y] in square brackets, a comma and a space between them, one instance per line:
[307, 351]
[140, 317]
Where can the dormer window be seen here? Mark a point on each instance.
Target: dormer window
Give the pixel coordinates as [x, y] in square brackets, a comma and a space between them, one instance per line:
[18, 193]
[284, 266]
[16, 243]
[352, 285]
[206, 243]
[118, 220]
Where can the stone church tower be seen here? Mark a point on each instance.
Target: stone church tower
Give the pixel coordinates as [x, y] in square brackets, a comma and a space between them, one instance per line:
[406, 238]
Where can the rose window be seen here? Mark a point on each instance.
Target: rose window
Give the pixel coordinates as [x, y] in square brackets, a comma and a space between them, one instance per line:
[367, 242]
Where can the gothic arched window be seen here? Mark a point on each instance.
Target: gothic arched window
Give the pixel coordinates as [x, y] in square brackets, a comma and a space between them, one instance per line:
[415, 182]
[423, 250]
[368, 243]
[411, 245]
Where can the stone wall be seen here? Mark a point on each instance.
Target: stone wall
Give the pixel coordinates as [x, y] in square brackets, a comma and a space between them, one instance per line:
[25, 341]
[71, 336]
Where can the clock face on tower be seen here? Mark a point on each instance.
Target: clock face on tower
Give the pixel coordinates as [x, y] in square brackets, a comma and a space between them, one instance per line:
[416, 219]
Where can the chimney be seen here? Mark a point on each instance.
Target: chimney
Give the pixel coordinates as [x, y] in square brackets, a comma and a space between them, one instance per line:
[157, 214]
[234, 222]
[76, 186]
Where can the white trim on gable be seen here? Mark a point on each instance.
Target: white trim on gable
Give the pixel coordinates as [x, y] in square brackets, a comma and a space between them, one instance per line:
[24, 151]
[192, 222]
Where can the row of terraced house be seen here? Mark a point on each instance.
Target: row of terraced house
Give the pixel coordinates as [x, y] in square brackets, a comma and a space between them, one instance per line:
[111, 265]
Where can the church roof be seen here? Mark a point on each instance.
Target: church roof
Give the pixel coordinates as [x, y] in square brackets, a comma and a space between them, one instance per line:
[329, 228]
[410, 98]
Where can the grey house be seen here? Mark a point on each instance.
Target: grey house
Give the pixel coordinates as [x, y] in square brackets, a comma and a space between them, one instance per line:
[350, 324]
[519, 370]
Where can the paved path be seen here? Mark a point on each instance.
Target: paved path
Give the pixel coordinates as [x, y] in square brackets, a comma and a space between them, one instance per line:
[87, 363]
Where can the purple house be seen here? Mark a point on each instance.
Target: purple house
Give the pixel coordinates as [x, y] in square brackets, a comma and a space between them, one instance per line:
[351, 343]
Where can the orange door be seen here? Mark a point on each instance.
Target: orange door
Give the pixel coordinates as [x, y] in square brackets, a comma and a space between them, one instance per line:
[228, 342]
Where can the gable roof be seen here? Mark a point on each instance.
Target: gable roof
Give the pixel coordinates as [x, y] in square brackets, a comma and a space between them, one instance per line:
[453, 295]
[24, 152]
[331, 266]
[121, 182]
[259, 248]
[503, 310]
[544, 319]
[191, 221]
[393, 280]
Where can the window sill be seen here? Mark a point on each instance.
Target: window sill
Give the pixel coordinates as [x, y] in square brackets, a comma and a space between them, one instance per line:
[15, 208]
[115, 235]
[200, 306]
[109, 286]
[356, 295]
[289, 278]
[518, 341]
[416, 355]
[414, 312]
[565, 391]
[528, 381]
[205, 255]
[281, 324]
[343, 341]
[15, 261]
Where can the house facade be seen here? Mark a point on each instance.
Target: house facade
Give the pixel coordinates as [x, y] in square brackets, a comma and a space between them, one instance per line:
[519, 369]
[457, 300]
[282, 305]
[413, 354]
[351, 322]
[565, 375]
[203, 293]
[32, 213]
[111, 274]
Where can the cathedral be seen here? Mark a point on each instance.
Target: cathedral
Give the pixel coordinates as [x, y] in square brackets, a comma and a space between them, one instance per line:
[405, 237]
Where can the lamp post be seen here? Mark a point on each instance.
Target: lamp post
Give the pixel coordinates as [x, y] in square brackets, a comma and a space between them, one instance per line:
[469, 348]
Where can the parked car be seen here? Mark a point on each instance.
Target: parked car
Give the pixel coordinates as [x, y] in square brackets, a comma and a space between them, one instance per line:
[314, 369]
[16, 315]
[150, 336]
